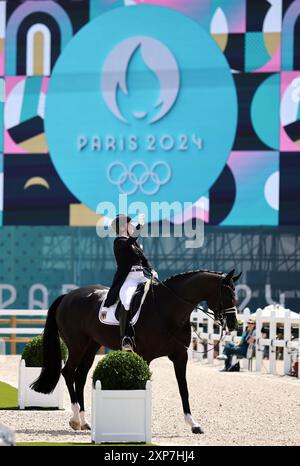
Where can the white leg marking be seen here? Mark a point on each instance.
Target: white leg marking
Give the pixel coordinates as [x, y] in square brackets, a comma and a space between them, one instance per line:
[82, 418]
[190, 421]
[75, 410]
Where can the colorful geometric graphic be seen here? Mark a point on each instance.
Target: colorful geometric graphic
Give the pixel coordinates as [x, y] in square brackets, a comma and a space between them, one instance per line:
[260, 39]
[228, 27]
[2, 35]
[256, 176]
[199, 11]
[263, 36]
[98, 7]
[290, 35]
[2, 92]
[289, 213]
[1, 187]
[265, 109]
[24, 115]
[259, 94]
[37, 31]
[38, 196]
[290, 111]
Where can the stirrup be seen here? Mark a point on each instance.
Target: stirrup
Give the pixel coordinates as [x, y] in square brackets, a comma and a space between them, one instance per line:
[127, 344]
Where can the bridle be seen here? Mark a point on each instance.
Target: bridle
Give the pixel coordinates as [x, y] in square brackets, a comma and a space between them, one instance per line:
[220, 319]
[222, 312]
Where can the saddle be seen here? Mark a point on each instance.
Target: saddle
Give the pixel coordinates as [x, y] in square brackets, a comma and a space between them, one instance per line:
[110, 315]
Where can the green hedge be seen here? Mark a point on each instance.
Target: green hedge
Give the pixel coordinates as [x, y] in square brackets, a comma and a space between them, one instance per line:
[120, 370]
[33, 352]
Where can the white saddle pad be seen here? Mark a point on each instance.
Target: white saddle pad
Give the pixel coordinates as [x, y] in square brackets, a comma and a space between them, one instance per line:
[107, 314]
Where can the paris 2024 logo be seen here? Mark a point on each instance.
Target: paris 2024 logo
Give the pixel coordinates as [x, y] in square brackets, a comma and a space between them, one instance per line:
[141, 102]
[158, 58]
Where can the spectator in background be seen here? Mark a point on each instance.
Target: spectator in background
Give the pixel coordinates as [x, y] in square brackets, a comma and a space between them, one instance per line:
[230, 349]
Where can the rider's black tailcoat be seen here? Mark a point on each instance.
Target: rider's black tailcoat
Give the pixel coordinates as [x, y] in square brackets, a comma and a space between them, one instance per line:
[127, 253]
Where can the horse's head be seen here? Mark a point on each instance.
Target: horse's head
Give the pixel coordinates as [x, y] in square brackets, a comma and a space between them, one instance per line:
[224, 303]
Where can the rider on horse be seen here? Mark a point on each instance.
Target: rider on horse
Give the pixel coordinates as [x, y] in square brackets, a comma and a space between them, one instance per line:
[131, 262]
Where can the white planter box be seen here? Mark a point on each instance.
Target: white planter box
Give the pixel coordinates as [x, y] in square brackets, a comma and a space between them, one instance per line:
[121, 415]
[28, 397]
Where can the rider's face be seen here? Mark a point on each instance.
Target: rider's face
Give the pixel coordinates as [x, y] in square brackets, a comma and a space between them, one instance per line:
[129, 228]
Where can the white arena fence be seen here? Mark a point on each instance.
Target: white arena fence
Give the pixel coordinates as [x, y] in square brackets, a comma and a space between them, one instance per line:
[204, 342]
[16, 325]
[278, 344]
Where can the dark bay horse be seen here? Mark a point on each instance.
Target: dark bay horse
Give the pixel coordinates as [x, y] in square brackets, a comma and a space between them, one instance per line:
[163, 329]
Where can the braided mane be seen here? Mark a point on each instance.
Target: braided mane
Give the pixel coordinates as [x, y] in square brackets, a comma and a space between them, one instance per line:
[190, 272]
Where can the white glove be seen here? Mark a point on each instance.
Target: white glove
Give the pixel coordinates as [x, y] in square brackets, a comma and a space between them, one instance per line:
[141, 219]
[154, 274]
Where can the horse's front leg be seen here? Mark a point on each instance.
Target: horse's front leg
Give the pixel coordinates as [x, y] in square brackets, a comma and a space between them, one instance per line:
[80, 379]
[179, 360]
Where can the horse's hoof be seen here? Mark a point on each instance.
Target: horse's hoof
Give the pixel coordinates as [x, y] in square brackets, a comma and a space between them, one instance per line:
[197, 430]
[75, 425]
[86, 426]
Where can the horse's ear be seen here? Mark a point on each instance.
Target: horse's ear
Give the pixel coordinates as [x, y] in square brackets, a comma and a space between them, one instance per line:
[229, 276]
[237, 277]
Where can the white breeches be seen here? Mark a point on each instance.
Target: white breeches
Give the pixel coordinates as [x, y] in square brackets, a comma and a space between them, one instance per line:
[129, 286]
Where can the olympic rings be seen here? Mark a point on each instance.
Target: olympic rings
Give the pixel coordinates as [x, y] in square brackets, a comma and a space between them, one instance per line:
[138, 181]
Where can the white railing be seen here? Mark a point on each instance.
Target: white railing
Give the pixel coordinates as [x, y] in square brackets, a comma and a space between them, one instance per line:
[10, 333]
[271, 317]
[288, 319]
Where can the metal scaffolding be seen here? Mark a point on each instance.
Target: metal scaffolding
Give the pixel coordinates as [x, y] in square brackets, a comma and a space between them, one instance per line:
[56, 255]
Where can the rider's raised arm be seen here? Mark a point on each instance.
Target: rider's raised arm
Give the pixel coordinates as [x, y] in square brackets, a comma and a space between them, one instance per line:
[125, 242]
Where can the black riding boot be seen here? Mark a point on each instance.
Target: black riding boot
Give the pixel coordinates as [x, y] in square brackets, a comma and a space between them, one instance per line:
[124, 321]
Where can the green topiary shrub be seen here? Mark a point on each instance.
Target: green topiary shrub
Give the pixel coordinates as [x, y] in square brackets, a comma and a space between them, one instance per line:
[33, 352]
[121, 370]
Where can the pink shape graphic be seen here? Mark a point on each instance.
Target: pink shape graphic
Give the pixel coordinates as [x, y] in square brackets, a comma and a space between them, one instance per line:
[2, 62]
[10, 147]
[45, 84]
[235, 12]
[238, 25]
[11, 82]
[191, 7]
[178, 4]
[286, 144]
[273, 65]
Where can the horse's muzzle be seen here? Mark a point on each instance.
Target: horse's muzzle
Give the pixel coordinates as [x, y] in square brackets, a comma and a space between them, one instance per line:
[231, 318]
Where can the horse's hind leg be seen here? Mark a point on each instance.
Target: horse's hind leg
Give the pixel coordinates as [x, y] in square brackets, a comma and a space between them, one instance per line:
[68, 372]
[179, 360]
[80, 379]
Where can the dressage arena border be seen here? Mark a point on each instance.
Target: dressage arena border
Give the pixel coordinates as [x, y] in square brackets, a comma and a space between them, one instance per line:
[278, 315]
[245, 408]
[13, 334]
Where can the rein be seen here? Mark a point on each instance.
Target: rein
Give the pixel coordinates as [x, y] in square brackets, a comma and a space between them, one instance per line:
[228, 310]
[220, 321]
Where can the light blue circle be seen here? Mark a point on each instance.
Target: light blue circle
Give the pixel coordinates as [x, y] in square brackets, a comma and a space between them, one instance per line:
[206, 106]
[265, 111]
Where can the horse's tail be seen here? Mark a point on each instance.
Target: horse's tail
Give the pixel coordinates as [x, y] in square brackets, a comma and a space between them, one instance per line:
[51, 370]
